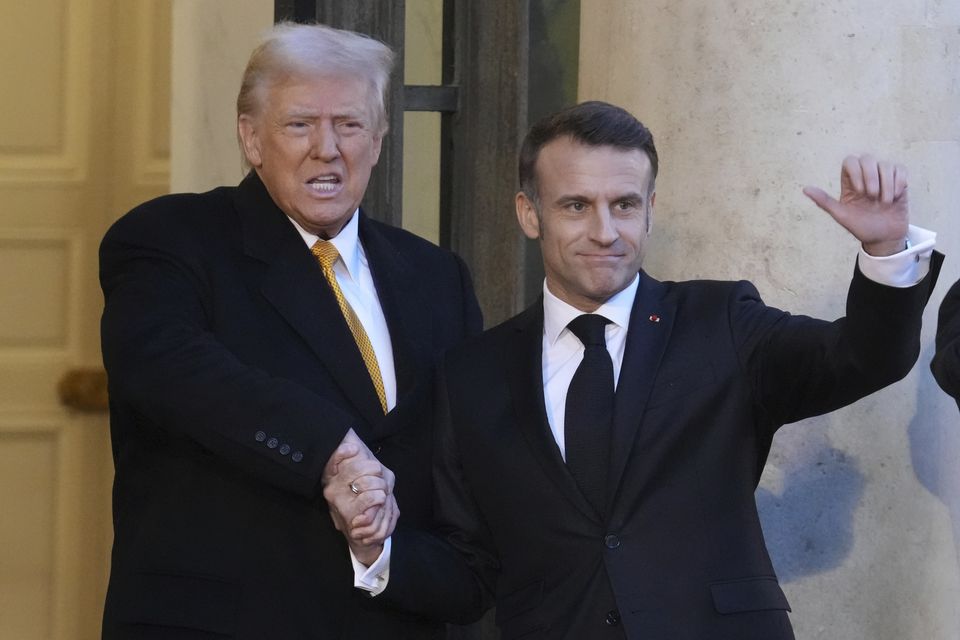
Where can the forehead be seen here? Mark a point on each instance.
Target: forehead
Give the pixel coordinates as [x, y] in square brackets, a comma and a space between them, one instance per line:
[323, 94]
[566, 165]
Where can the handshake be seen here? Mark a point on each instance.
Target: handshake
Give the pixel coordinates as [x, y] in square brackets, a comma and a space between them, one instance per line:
[359, 491]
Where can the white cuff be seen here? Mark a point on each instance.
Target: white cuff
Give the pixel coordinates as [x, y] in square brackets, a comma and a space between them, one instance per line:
[903, 269]
[375, 577]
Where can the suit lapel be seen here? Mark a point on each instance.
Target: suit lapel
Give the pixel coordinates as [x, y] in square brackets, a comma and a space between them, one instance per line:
[523, 361]
[294, 285]
[403, 304]
[651, 322]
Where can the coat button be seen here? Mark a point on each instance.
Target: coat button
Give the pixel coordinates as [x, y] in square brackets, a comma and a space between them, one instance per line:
[284, 449]
[297, 456]
[611, 541]
[260, 436]
[272, 443]
[613, 617]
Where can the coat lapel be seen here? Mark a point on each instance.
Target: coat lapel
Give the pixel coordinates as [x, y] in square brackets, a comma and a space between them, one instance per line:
[651, 322]
[403, 303]
[295, 286]
[523, 361]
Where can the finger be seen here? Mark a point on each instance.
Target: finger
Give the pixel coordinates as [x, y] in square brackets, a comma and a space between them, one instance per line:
[358, 466]
[369, 499]
[851, 175]
[351, 437]
[829, 204]
[871, 176]
[386, 525]
[339, 455]
[887, 176]
[822, 199]
[901, 178]
[369, 483]
[365, 525]
[338, 522]
[390, 478]
[364, 519]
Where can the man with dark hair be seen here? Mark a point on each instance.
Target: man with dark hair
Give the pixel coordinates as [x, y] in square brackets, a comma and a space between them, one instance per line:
[248, 332]
[946, 361]
[597, 455]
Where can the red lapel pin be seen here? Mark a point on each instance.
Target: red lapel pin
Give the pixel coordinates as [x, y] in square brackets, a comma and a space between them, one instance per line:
[654, 318]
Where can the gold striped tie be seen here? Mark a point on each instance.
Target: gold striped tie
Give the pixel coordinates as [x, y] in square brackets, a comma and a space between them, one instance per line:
[326, 255]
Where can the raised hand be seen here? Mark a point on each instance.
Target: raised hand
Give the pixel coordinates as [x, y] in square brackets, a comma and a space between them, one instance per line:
[872, 205]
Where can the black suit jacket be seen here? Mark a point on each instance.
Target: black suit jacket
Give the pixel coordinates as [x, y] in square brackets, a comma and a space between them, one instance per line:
[709, 374]
[233, 377]
[946, 360]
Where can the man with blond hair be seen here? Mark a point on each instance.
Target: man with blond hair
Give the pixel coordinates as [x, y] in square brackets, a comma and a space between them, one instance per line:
[248, 332]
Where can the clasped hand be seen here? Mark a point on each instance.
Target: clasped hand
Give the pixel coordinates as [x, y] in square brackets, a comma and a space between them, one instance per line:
[359, 491]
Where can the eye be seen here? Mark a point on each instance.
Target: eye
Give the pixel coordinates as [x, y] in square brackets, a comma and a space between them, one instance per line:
[626, 205]
[576, 206]
[350, 126]
[297, 126]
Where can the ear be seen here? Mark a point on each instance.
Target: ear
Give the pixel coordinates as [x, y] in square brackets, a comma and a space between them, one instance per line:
[527, 216]
[650, 208]
[246, 129]
[377, 147]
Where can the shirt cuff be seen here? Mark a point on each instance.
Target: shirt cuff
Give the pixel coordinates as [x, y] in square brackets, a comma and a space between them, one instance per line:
[375, 577]
[903, 269]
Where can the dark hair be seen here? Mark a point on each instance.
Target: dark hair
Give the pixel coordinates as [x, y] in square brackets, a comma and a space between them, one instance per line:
[591, 123]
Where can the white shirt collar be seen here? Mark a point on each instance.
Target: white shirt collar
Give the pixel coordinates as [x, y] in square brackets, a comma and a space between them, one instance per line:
[347, 242]
[557, 314]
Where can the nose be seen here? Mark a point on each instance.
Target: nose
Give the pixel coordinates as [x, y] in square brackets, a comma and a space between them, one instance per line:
[324, 143]
[603, 230]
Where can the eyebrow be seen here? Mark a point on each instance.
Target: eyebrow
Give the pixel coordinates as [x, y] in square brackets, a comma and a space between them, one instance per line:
[573, 197]
[311, 114]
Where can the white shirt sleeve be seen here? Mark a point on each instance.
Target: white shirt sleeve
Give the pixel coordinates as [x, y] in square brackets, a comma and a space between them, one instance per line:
[375, 577]
[903, 269]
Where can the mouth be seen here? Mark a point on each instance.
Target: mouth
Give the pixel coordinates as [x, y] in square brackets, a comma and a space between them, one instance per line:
[602, 257]
[324, 184]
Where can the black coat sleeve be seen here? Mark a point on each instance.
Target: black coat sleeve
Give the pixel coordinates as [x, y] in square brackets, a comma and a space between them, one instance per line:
[946, 360]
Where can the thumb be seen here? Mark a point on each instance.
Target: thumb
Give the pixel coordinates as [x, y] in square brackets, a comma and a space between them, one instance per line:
[343, 452]
[823, 200]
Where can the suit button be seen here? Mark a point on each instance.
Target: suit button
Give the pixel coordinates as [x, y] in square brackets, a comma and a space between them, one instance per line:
[260, 436]
[611, 541]
[284, 449]
[297, 456]
[272, 443]
[613, 617]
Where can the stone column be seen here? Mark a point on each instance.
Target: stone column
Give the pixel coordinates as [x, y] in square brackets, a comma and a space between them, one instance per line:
[749, 101]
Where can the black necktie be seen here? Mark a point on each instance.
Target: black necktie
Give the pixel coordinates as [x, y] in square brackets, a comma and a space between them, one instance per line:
[589, 411]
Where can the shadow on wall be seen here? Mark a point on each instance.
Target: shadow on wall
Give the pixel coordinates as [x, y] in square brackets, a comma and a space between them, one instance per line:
[806, 501]
[934, 435]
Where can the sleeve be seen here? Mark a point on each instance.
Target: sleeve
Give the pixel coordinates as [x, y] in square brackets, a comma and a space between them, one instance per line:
[946, 360]
[167, 368]
[447, 574]
[801, 367]
[903, 269]
[473, 317]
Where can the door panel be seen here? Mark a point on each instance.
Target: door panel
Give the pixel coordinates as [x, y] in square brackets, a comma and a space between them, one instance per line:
[83, 137]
